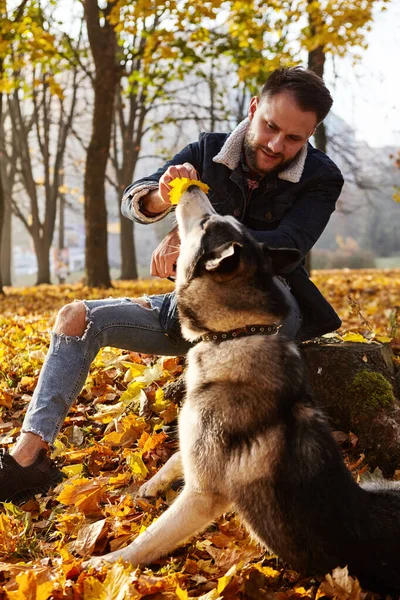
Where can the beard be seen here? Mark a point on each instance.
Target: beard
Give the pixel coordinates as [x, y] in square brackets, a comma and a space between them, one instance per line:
[251, 149]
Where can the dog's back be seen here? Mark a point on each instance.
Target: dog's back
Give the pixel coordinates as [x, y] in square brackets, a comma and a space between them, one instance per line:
[250, 431]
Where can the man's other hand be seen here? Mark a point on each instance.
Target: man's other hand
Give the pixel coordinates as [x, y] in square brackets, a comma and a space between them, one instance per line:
[164, 257]
[174, 171]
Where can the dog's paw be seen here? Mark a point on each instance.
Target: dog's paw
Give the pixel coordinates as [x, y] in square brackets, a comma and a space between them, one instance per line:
[96, 562]
[152, 488]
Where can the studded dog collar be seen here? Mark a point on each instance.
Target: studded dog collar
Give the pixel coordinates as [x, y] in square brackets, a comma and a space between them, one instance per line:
[218, 337]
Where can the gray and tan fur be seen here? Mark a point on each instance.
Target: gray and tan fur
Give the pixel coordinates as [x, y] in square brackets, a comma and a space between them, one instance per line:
[251, 436]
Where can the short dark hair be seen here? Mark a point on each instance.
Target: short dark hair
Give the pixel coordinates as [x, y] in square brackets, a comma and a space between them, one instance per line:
[309, 90]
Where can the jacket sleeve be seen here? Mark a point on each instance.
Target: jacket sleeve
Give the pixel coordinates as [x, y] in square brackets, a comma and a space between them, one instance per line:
[131, 200]
[304, 223]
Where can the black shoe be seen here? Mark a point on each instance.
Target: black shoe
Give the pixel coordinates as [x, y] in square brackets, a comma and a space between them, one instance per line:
[18, 484]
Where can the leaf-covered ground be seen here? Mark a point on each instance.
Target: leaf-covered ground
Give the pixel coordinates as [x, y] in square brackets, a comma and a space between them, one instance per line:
[117, 435]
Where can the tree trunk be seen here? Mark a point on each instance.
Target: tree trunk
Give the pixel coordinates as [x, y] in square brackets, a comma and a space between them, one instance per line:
[131, 131]
[128, 252]
[6, 246]
[2, 199]
[1, 221]
[360, 395]
[62, 269]
[102, 39]
[316, 63]
[42, 251]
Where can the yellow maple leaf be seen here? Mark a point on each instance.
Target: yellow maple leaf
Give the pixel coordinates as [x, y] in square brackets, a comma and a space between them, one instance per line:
[130, 428]
[117, 585]
[72, 470]
[179, 186]
[136, 464]
[384, 339]
[350, 336]
[224, 581]
[160, 402]
[267, 571]
[30, 587]
[181, 594]
[120, 480]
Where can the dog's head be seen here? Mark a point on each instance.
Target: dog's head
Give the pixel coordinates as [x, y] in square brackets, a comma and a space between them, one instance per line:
[224, 276]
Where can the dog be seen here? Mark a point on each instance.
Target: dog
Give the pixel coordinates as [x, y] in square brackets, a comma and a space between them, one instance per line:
[251, 436]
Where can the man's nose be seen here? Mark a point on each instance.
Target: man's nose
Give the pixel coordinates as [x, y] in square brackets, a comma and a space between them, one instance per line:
[276, 144]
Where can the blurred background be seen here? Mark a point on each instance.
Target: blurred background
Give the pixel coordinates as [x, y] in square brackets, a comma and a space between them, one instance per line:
[97, 94]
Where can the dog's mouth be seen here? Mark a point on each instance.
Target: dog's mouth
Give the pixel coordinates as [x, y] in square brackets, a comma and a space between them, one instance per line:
[194, 209]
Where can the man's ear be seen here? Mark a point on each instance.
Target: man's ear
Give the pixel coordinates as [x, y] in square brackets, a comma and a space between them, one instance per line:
[284, 260]
[224, 260]
[254, 102]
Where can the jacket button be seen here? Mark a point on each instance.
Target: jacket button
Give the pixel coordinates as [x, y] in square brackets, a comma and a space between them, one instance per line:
[236, 212]
[268, 216]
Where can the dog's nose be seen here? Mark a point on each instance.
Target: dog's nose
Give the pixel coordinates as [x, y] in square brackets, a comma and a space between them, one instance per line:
[192, 188]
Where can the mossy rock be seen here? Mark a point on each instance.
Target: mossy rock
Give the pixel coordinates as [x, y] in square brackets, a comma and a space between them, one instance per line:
[356, 386]
[369, 392]
[334, 376]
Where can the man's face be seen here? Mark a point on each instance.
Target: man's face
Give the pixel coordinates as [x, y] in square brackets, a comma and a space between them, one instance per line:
[277, 132]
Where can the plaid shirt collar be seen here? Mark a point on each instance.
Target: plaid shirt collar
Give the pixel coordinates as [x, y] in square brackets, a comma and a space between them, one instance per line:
[253, 181]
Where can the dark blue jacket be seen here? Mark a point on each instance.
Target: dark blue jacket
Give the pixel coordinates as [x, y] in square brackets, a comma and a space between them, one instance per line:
[279, 212]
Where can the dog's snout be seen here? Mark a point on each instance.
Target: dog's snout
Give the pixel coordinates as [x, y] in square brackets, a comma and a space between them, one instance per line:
[192, 188]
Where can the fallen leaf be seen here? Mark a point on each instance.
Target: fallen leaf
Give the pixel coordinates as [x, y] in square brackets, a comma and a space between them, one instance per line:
[136, 465]
[340, 586]
[116, 586]
[88, 536]
[83, 493]
[350, 336]
[6, 399]
[33, 586]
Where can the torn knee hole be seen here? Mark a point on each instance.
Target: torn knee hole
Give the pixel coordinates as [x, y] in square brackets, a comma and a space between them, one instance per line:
[72, 320]
[143, 302]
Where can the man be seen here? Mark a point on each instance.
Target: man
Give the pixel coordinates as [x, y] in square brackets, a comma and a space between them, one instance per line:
[268, 176]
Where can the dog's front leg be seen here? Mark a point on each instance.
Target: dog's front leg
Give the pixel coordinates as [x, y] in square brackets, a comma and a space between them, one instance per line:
[191, 512]
[172, 470]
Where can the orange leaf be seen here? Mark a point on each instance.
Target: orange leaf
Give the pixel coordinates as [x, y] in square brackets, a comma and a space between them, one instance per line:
[85, 494]
[5, 399]
[32, 586]
[169, 414]
[150, 442]
[129, 430]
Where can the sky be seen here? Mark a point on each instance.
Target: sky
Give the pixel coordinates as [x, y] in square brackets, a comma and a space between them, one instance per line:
[367, 95]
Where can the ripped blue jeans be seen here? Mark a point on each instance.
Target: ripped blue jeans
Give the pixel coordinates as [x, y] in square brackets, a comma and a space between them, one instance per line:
[121, 323]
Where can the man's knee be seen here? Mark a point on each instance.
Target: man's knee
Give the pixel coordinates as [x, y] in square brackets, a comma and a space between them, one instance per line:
[142, 301]
[71, 320]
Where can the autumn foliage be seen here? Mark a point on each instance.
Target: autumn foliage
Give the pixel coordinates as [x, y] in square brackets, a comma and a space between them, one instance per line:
[118, 434]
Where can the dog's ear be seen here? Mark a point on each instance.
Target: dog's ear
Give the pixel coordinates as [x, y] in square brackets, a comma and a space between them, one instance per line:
[283, 260]
[224, 260]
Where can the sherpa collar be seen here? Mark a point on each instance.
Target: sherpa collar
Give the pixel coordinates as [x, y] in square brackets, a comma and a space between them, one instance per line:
[229, 155]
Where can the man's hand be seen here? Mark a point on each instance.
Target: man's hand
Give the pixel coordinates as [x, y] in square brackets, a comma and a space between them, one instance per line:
[164, 257]
[157, 201]
[174, 171]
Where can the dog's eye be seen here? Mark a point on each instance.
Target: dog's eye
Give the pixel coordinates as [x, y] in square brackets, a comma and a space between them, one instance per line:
[204, 221]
